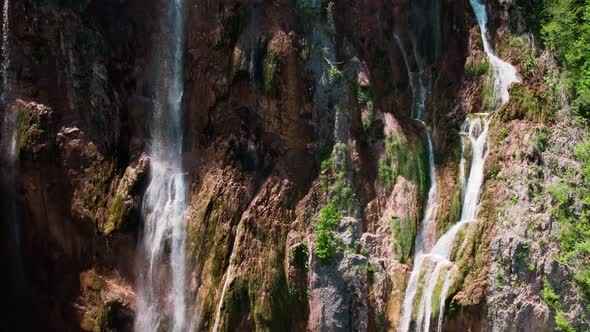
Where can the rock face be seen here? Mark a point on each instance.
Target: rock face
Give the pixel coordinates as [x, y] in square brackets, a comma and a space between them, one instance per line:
[308, 175]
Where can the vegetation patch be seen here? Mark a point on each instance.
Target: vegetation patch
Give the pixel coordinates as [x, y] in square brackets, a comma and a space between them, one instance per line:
[326, 224]
[565, 28]
[571, 206]
[399, 159]
[403, 231]
[28, 131]
[270, 70]
[476, 68]
[526, 104]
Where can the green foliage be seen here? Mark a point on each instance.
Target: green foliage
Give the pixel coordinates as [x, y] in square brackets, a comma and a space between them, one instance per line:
[380, 322]
[334, 74]
[364, 95]
[566, 30]
[571, 206]
[399, 159]
[403, 232]
[326, 224]
[270, 69]
[476, 68]
[117, 212]
[369, 116]
[235, 302]
[503, 134]
[549, 295]
[28, 131]
[526, 104]
[387, 174]
[562, 324]
[541, 139]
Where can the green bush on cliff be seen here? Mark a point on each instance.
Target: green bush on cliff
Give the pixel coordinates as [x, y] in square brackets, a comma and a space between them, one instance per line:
[566, 30]
[326, 224]
[549, 295]
[528, 104]
[571, 206]
[562, 324]
[476, 68]
[28, 131]
[403, 232]
[399, 159]
[271, 66]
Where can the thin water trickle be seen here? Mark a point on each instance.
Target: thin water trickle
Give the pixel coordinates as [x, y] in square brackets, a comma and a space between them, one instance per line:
[433, 263]
[228, 276]
[162, 287]
[8, 138]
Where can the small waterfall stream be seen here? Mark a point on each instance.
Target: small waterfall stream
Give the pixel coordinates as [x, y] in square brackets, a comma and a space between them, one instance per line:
[8, 138]
[162, 285]
[228, 276]
[434, 269]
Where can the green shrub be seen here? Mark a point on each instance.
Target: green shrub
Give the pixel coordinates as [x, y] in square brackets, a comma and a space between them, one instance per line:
[270, 69]
[326, 224]
[387, 174]
[531, 105]
[549, 295]
[541, 140]
[571, 206]
[566, 30]
[562, 324]
[476, 68]
[399, 159]
[403, 232]
[28, 130]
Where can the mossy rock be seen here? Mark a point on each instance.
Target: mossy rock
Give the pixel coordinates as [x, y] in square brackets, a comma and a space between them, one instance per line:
[28, 131]
[403, 232]
[117, 212]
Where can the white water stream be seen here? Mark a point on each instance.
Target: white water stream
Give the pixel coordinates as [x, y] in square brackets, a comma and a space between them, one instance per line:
[162, 285]
[433, 269]
[8, 143]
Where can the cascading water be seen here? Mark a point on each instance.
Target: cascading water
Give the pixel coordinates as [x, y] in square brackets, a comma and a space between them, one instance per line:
[434, 269]
[8, 139]
[162, 284]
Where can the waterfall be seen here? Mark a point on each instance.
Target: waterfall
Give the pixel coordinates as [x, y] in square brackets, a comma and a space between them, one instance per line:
[162, 284]
[504, 73]
[8, 139]
[5, 47]
[434, 268]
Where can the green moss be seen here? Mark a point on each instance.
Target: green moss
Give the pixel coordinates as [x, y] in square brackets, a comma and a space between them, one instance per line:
[399, 159]
[235, 304]
[571, 206]
[117, 212]
[270, 70]
[454, 210]
[403, 232]
[549, 295]
[387, 174]
[28, 125]
[364, 95]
